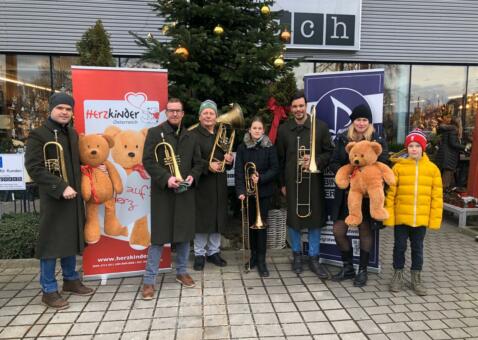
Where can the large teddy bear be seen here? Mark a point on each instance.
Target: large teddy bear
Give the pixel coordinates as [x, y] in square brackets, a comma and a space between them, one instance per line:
[365, 175]
[99, 183]
[133, 205]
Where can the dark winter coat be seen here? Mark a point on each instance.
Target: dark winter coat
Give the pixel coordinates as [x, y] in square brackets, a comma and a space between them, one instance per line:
[340, 157]
[264, 156]
[173, 215]
[287, 152]
[211, 194]
[449, 147]
[61, 220]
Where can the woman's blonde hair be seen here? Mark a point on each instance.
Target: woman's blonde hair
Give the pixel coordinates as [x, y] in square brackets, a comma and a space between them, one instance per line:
[353, 136]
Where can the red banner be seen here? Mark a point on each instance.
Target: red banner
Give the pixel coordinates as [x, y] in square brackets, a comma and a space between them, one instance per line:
[122, 104]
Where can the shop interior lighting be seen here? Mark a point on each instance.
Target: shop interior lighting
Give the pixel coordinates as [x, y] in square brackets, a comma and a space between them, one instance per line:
[18, 82]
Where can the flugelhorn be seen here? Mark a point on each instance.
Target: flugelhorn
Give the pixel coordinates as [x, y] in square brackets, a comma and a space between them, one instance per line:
[303, 208]
[56, 165]
[252, 189]
[170, 158]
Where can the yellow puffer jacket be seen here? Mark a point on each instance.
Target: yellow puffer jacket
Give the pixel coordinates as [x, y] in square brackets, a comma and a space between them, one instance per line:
[417, 198]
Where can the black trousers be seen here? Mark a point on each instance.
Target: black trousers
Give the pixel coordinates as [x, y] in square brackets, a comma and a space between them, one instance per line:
[258, 238]
[416, 235]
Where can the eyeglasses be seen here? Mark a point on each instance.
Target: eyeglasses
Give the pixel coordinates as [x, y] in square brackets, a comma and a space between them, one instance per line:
[178, 111]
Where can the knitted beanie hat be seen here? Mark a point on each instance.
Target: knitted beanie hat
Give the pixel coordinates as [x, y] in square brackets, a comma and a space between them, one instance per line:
[208, 104]
[60, 98]
[417, 136]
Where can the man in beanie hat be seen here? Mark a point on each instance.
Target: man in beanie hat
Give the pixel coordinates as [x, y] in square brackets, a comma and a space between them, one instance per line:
[211, 194]
[62, 212]
[414, 203]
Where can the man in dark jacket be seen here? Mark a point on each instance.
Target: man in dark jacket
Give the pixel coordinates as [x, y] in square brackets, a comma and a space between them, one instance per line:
[175, 167]
[211, 195]
[62, 213]
[292, 134]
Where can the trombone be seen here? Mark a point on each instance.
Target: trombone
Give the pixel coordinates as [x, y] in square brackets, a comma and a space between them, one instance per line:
[55, 165]
[251, 190]
[304, 175]
[170, 158]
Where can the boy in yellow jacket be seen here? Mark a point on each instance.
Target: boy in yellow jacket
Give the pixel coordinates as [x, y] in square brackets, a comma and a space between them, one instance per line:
[415, 203]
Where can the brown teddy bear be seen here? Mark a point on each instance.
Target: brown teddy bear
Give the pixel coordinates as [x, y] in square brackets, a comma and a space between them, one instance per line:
[133, 206]
[99, 183]
[365, 175]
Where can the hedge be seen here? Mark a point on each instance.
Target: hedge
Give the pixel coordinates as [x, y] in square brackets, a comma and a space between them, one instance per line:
[18, 235]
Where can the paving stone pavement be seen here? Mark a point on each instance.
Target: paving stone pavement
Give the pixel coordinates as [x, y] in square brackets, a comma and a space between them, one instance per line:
[229, 304]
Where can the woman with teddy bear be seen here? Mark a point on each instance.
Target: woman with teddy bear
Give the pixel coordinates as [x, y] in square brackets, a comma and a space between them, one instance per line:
[360, 129]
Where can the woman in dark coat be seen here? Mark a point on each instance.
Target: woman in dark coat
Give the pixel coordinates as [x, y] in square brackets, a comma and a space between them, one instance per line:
[449, 149]
[360, 129]
[258, 149]
[211, 195]
[62, 214]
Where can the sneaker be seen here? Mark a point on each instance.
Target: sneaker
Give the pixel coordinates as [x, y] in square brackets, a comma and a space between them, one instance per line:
[148, 292]
[217, 260]
[185, 280]
[54, 300]
[75, 287]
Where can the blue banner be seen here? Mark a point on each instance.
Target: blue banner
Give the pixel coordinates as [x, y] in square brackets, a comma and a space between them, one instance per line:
[335, 95]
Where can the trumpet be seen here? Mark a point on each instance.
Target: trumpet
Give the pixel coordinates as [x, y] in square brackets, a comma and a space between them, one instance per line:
[252, 189]
[304, 175]
[170, 158]
[55, 165]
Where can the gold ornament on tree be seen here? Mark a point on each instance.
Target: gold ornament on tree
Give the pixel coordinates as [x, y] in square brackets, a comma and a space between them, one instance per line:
[182, 52]
[265, 10]
[218, 30]
[165, 29]
[285, 35]
[279, 62]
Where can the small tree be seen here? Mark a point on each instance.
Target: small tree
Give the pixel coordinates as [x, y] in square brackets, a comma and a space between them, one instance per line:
[94, 47]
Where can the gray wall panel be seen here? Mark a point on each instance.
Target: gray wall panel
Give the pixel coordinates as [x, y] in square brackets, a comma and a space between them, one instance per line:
[42, 26]
[408, 31]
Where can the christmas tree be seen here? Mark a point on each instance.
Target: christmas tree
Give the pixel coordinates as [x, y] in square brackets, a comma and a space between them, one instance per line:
[224, 50]
[94, 47]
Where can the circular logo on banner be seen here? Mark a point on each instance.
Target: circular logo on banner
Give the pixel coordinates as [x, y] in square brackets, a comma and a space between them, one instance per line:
[335, 108]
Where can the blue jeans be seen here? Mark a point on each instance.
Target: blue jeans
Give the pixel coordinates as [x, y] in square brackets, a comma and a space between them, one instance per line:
[314, 240]
[416, 234]
[154, 255]
[47, 272]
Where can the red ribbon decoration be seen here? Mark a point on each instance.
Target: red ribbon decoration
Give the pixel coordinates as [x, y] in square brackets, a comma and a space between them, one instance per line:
[87, 170]
[354, 172]
[279, 113]
[140, 169]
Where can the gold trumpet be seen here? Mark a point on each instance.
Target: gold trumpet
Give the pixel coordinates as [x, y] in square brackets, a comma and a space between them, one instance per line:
[303, 174]
[55, 165]
[252, 189]
[231, 120]
[170, 158]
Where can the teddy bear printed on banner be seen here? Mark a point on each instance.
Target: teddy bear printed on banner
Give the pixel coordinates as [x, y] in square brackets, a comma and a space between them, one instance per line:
[100, 182]
[365, 176]
[133, 204]
[139, 100]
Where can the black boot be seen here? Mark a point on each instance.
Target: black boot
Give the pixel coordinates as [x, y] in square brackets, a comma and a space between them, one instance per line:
[318, 268]
[253, 259]
[362, 276]
[199, 262]
[261, 265]
[348, 270]
[297, 262]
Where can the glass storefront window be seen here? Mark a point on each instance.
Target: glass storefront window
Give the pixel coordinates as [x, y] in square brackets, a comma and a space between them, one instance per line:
[62, 72]
[471, 104]
[395, 102]
[300, 71]
[434, 91]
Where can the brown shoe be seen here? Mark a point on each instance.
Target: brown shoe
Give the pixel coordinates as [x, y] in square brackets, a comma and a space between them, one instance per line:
[148, 292]
[77, 288]
[54, 300]
[185, 280]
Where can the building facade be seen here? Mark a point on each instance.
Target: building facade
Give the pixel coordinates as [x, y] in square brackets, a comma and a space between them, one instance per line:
[429, 51]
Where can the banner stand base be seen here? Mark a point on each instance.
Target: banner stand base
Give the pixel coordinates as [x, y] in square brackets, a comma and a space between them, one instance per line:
[376, 270]
[104, 277]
